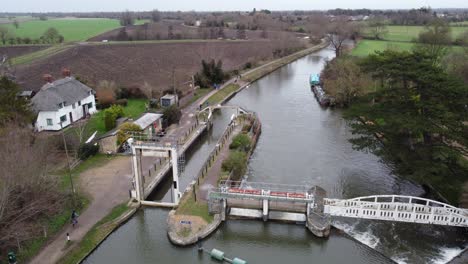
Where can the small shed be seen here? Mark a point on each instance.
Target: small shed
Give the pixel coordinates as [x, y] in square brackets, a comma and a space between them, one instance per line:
[168, 100]
[150, 123]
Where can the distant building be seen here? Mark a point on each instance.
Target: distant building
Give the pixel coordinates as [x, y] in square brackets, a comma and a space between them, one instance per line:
[150, 123]
[197, 23]
[61, 103]
[168, 100]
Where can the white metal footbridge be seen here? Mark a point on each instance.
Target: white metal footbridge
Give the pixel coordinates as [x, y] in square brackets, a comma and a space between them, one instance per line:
[396, 208]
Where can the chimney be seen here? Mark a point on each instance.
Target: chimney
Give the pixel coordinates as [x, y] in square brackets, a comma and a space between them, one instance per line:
[47, 78]
[66, 72]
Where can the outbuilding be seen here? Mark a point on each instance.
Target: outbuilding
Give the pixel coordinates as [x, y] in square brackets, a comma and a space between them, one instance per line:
[150, 123]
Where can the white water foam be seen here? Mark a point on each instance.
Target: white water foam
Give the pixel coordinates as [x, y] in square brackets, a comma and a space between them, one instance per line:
[366, 238]
[446, 255]
[400, 259]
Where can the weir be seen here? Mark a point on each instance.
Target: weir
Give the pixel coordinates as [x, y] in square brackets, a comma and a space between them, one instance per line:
[296, 203]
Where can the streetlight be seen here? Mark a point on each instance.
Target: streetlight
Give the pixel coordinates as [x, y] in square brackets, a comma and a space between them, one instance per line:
[68, 162]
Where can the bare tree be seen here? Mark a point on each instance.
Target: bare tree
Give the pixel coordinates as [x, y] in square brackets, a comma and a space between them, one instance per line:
[16, 24]
[27, 191]
[377, 27]
[155, 16]
[338, 32]
[435, 39]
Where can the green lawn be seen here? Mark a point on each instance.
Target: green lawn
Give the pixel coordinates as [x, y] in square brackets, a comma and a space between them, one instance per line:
[366, 47]
[72, 29]
[409, 33]
[134, 109]
[141, 21]
[221, 94]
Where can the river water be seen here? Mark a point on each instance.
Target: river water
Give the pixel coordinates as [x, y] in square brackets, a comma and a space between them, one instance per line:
[301, 143]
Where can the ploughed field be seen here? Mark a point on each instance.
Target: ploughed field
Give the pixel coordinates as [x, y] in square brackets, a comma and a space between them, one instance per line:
[139, 64]
[160, 31]
[15, 51]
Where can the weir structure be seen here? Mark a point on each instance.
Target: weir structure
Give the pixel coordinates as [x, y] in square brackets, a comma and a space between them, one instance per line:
[309, 205]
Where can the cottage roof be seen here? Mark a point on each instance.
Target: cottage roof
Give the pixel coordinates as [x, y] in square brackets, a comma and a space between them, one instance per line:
[68, 90]
[147, 119]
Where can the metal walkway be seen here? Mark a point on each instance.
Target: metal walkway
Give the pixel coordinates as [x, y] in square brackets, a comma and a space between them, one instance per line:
[262, 191]
[398, 208]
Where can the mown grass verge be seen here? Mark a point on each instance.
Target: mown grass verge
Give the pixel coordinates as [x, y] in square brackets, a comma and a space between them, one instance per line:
[29, 57]
[96, 235]
[222, 94]
[188, 206]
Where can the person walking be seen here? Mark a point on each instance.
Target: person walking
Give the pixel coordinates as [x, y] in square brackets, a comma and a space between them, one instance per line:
[68, 237]
[74, 218]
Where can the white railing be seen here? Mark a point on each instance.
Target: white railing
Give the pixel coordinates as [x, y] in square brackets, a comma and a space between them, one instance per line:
[398, 208]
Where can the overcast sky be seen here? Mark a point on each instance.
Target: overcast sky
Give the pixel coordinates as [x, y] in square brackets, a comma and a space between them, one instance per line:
[216, 5]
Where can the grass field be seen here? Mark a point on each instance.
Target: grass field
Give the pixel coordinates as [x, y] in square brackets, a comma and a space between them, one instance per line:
[366, 47]
[72, 29]
[409, 33]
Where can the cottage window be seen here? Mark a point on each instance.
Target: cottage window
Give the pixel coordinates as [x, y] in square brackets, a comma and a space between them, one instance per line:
[63, 119]
[79, 103]
[49, 121]
[60, 105]
[90, 105]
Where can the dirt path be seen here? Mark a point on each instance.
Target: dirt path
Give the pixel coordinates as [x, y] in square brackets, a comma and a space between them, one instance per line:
[108, 187]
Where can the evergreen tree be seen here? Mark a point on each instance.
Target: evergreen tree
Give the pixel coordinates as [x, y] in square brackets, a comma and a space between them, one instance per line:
[12, 107]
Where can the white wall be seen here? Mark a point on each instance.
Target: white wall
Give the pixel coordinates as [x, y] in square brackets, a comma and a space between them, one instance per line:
[77, 113]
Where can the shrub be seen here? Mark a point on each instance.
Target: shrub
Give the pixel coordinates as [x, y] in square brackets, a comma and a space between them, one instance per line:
[248, 65]
[172, 114]
[130, 92]
[241, 142]
[236, 163]
[246, 128]
[87, 150]
[105, 93]
[111, 114]
[122, 102]
[122, 135]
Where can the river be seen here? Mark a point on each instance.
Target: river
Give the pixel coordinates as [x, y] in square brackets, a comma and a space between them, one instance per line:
[301, 143]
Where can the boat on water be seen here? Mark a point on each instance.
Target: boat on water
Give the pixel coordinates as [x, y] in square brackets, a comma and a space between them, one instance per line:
[322, 97]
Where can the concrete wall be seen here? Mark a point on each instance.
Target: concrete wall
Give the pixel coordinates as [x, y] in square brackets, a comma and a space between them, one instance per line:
[108, 144]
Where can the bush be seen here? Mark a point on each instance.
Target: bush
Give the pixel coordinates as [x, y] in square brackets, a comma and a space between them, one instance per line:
[87, 150]
[172, 114]
[130, 92]
[111, 114]
[246, 128]
[236, 163]
[122, 102]
[241, 142]
[122, 135]
[248, 65]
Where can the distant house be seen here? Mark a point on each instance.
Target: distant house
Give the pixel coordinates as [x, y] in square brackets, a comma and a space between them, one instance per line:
[62, 102]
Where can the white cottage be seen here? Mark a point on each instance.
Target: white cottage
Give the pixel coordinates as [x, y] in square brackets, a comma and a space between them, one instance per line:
[62, 102]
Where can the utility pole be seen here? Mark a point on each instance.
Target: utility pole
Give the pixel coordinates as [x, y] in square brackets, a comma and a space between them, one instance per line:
[174, 87]
[68, 164]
